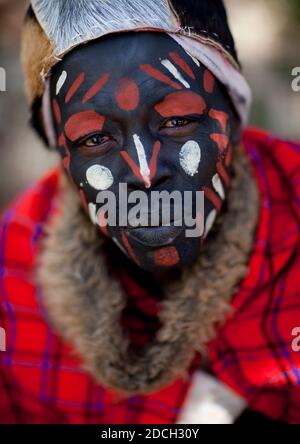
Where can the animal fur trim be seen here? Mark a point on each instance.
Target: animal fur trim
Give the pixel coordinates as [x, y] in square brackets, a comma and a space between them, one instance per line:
[85, 303]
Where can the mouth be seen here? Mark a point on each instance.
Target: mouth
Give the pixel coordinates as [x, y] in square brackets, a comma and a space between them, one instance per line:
[154, 236]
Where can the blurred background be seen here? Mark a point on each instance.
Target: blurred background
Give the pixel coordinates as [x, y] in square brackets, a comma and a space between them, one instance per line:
[267, 34]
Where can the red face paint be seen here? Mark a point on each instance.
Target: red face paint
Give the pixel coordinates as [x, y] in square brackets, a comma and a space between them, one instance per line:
[127, 94]
[153, 162]
[221, 117]
[208, 81]
[82, 124]
[166, 257]
[56, 111]
[129, 248]
[152, 72]
[213, 197]
[96, 88]
[221, 140]
[223, 173]
[182, 64]
[74, 88]
[181, 104]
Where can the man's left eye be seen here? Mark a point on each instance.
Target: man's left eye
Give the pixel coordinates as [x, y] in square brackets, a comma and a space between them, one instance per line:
[96, 140]
[176, 123]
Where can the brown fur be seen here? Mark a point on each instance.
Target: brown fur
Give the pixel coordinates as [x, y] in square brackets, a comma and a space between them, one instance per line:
[85, 303]
[36, 57]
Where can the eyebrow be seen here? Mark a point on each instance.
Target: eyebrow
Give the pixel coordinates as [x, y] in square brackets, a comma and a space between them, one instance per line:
[181, 103]
[83, 123]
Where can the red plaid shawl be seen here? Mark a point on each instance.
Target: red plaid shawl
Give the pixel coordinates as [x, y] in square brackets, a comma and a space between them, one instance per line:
[41, 381]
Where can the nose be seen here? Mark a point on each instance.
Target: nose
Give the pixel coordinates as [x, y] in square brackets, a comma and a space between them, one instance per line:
[145, 168]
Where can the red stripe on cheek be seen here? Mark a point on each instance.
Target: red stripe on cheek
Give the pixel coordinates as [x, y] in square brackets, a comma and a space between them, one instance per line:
[153, 162]
[208, 81]
[181, 104]
[134, 168]
[74, 88]
[95, 88]
[148, 69]
[127, 94]
[214, 198]
[129, 248]
[223, 174]
[221, 140]
[229, 155]
[221, 117]
[82, 124]
[166, 257]
[83, 199]
[182, 64]
[56, 110]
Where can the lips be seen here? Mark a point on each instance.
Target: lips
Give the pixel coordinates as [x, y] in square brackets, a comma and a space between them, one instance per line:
[154, 236]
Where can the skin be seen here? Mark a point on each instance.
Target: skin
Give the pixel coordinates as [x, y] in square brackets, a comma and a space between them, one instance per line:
[123, 114]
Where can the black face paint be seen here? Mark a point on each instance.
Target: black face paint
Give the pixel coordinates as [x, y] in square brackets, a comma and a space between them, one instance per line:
[136, 109]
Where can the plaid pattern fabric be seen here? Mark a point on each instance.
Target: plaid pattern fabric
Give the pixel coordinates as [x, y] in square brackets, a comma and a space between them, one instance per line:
[253, 352]
[42, 382]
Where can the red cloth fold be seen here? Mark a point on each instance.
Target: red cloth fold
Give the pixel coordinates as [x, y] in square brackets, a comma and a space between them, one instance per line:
[42, 382]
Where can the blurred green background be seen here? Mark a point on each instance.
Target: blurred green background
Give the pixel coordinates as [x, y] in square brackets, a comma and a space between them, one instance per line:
[267, 34]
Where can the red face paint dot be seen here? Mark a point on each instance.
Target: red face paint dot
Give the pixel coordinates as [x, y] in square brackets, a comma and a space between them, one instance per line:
[127, 94]
[166, 257]
[208, 81]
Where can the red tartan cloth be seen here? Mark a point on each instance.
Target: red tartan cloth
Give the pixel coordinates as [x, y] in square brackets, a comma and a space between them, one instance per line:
[42, 382]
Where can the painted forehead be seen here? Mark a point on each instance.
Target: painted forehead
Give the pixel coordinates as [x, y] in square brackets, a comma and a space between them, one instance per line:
[104, 73]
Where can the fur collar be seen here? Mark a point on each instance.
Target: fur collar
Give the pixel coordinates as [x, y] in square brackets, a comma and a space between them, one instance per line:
[85, 302]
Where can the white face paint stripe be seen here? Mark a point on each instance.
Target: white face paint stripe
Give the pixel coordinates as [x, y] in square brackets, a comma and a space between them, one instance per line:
[120, 245]
[190, 157]
[99, 177]
[144, 168]
[174, 71]
[61, 82]
[210, 222]
[218, 186]
[93, 214]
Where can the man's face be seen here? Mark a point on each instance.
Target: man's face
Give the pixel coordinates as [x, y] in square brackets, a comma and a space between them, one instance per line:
[136, 109]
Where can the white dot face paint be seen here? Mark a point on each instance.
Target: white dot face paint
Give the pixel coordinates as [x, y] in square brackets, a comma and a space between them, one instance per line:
[211, 218]
[190, 157]
[99, 177]
[93, 214]
[61, 82]
[144, 168]
[174, 71]
[218, 186]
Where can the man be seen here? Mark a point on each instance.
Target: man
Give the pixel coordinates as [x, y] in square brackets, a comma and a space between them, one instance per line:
[136, 322]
